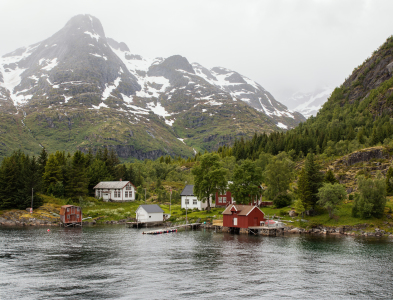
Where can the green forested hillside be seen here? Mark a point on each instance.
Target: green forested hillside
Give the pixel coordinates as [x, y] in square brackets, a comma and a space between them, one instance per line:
[358, 114]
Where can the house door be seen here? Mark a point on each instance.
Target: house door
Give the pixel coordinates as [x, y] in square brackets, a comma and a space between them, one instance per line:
[255, 221]
[235, 221]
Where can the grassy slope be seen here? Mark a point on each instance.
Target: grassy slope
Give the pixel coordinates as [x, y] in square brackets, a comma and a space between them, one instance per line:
[66, 129]
[207, 127]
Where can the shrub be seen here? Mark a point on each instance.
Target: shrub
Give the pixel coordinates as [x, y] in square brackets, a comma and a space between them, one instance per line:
[282, 200]
[371, 199]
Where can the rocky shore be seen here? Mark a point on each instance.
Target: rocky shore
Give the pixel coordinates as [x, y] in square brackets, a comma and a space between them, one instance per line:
[18, 218]
[359, 230]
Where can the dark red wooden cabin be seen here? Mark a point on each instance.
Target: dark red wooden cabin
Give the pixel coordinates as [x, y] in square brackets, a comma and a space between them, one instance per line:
[242, 216]
[71, 215]
[224, 199]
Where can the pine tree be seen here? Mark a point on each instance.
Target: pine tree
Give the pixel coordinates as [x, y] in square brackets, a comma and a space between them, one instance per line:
[314, 177]
[42, 159]
[361, 136]
[389, 181]
[330, 178]
[10, 171]
[304, 190]
[78, 182]
[97, 172]
[53, 172]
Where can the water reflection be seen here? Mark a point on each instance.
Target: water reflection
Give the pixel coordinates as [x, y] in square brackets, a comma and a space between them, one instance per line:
[115, 262]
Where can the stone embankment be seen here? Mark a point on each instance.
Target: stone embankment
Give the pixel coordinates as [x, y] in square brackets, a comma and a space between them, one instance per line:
[26, 222]
[20, 218]
[359, 230]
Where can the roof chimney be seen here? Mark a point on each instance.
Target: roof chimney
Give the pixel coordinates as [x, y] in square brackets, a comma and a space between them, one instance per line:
[120, 179]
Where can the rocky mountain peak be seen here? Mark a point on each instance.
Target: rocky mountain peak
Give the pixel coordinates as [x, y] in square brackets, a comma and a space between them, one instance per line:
[118, 46]
[85, 23]
[170, 64]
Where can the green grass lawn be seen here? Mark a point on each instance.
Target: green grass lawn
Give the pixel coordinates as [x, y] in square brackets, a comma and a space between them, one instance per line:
[112, 211]
[343, 217]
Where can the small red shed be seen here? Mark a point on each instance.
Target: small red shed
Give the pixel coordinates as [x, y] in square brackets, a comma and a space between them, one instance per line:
[71, 215]
[242, 216]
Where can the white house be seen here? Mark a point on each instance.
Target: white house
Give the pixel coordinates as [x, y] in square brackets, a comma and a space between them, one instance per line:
[116, 191]
[149, 213]
[190, 201]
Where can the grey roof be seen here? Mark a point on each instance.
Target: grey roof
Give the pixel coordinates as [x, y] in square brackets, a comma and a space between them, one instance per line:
[188, 191]
[151, 209]
[111, 185]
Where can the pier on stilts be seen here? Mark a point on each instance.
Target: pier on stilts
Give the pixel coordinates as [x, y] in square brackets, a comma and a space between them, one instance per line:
[174, 228]
[265, 230]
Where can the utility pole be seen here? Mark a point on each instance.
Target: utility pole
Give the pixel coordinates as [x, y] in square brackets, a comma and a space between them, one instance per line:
[186, 207]
[32, 191]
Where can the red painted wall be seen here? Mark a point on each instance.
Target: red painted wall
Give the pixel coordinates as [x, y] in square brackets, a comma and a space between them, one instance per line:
[229, 199]
[244, 221]
[73, 212]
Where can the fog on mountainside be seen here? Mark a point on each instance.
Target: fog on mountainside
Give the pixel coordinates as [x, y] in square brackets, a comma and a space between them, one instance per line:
[79, 89]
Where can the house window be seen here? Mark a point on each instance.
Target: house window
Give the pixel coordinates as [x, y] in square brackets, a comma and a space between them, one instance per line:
[195, 202]
[224, 199]
[219, 199]
[117, 194]
[68, 209]
[128, 187]
[68, 217]
[149, 216]
[187, 201]
[77, 217]
[126, 194]
[130, 194]
[235, 221]
[77, 209]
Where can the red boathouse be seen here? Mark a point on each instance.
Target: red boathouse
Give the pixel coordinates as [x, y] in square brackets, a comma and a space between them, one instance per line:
[242, 216]
[70, 215]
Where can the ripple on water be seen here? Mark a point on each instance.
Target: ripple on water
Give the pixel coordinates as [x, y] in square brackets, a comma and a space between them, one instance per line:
[115, 262]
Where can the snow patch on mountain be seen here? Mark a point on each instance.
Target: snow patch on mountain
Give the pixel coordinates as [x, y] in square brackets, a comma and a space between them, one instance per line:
[309, 103]
[98, 55]
[92, 35]
[102, 104]
[50, 64]
[281, 125]
[109, 88]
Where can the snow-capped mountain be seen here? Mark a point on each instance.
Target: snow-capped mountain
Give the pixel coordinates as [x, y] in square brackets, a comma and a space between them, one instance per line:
[82, 89]
[308, 104]
[174, 76]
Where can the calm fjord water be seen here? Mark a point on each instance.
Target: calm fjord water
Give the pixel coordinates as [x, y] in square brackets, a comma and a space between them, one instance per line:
[115, 262]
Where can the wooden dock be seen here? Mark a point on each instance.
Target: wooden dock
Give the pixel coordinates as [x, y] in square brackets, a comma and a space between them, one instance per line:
[143, 224]
[266, 230]
[173, 228]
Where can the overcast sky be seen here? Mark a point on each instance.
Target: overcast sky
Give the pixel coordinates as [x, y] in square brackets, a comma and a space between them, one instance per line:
[286, 46]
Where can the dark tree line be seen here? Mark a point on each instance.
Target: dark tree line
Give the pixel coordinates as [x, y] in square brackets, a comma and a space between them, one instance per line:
[58, 174]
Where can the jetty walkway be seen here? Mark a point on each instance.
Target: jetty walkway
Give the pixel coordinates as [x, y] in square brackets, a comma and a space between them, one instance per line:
[174, 228]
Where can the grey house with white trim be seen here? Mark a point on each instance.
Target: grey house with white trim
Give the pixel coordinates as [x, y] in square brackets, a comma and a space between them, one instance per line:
[149, 213]
[115, 191]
